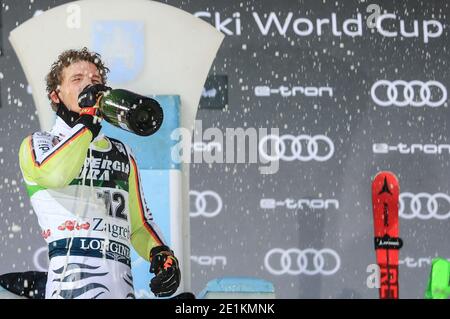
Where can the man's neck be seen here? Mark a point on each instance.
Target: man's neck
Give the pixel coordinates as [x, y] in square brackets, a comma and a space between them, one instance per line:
[66, 115]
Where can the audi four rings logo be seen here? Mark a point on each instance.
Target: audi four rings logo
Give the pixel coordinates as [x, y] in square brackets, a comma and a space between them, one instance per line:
[433, 206]
[207, 204]
[408, 96]
[296, 152]
[294, 261]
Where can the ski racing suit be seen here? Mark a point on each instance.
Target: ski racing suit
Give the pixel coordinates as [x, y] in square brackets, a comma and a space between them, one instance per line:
[90, 206]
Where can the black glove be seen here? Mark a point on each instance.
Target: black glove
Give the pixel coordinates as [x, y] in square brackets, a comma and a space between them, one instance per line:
[90, 94]
[87, 100]
[167, 271]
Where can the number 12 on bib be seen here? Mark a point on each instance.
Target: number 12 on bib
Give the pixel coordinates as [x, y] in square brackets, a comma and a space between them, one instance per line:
[385, 197]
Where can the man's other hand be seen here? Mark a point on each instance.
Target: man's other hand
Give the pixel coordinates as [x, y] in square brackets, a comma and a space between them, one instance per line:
[165, 266]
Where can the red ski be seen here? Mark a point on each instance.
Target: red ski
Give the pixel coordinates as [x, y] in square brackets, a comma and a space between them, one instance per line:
[385, 194]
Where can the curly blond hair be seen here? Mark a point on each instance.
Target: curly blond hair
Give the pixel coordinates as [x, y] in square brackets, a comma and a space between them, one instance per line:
[66, 58]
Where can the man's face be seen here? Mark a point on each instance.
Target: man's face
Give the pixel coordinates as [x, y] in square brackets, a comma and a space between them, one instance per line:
[75, 78]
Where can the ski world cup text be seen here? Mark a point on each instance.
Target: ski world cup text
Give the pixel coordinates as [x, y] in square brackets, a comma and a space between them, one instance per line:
[388, 25]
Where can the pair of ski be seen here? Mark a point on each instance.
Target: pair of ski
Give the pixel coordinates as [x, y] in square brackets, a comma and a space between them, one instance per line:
[385, 201]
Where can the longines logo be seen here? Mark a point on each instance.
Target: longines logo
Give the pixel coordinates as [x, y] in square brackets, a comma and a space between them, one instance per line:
[401, 148]
[118, 250]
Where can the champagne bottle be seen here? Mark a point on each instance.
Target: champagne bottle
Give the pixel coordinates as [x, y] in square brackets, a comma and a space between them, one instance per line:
[135, 113]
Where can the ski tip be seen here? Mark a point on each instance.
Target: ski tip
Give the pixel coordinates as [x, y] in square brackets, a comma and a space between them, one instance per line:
[382, 174]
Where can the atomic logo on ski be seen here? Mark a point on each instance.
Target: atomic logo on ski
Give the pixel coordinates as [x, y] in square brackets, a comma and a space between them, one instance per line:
[385, 197]
[385, 188]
